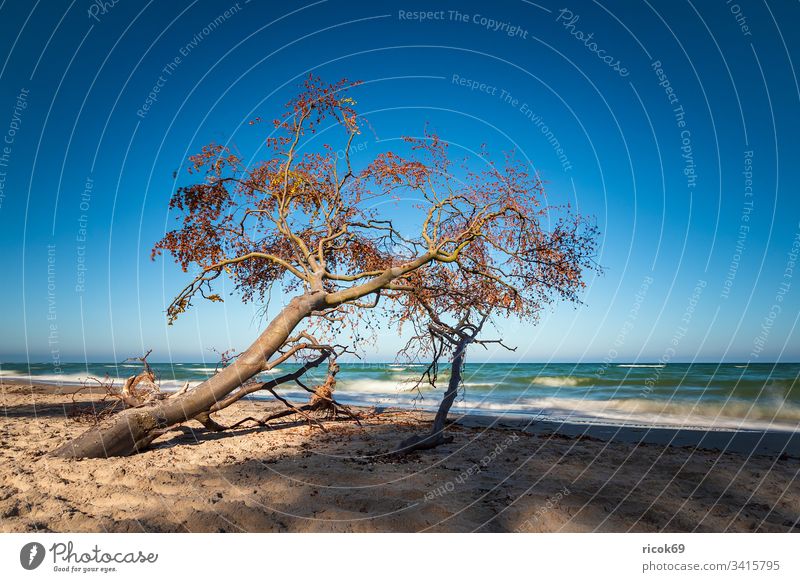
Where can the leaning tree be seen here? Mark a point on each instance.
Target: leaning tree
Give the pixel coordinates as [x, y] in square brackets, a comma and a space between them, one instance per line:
[449, 309]
[306, 221]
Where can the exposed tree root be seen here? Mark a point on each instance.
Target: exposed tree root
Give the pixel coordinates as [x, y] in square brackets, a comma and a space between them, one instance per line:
[423, 442]
[137, 391]
[321, 403]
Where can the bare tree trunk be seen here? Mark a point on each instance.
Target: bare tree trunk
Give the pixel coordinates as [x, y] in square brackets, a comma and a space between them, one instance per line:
[134, 429]
[437, 437]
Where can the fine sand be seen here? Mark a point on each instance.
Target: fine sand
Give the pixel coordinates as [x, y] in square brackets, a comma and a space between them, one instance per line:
[496, 476]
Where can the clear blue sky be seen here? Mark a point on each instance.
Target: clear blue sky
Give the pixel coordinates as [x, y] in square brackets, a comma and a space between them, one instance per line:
[707, 257]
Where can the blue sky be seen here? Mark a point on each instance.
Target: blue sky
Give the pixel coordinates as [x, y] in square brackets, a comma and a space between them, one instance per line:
[698, 261]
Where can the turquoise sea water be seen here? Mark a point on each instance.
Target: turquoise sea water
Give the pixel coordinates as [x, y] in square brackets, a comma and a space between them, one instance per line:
[700, 395]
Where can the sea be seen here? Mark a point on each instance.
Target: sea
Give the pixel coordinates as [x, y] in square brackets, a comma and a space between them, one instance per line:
[722, 396]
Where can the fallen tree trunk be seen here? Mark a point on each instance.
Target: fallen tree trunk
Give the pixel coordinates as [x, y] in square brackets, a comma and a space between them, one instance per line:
[134, 429]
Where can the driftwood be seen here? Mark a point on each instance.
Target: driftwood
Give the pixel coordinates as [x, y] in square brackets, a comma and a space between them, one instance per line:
[141, 389]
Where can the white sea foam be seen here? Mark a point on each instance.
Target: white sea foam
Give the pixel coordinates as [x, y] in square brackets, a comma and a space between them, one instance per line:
[370, 386]
[174, 385]
[559, 381]
[638, 412]
[54, 378]
[81, 379]
[641, 411]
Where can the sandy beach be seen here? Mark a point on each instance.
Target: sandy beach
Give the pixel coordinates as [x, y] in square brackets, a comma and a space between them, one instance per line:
[495, 477]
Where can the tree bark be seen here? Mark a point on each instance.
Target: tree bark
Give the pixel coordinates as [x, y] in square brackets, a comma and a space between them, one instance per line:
[437, 437]
[134, 429]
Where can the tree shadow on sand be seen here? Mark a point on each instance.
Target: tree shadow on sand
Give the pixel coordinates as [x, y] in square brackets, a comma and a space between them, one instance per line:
[348, 480]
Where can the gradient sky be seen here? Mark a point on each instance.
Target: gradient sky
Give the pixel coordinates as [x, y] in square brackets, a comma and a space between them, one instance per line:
[707, 259]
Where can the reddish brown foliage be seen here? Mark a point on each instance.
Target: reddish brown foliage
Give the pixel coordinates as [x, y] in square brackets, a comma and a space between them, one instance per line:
[308, 221]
